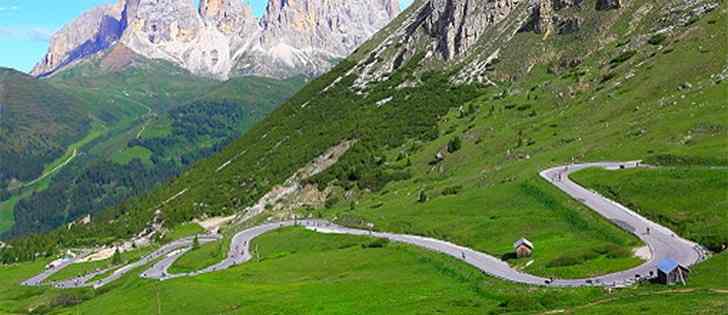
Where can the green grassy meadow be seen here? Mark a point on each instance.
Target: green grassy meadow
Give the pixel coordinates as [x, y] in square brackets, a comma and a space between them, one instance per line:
[199, 258]
[184, 230]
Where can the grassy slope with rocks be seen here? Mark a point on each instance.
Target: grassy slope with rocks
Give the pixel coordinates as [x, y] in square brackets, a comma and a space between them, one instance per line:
[611, 105]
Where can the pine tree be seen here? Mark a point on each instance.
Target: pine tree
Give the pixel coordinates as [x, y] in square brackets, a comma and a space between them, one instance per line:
[116, 259]
[196, 242]
[422, 197]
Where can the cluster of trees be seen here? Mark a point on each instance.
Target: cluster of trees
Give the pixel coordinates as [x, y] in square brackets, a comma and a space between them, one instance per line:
[37, 123]
[196, 122]
[92, 184]
[92, 188]
[412, 113]
[365, 167]
[5, 194]
[24, 166]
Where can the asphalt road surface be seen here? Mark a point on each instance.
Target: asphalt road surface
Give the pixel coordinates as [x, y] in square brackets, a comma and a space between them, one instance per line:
[663, 243]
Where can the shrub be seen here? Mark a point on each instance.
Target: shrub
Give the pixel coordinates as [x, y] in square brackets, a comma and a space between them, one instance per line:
[455, 144]
[454, 190]
[378, 243]
[422, 197]
[657, 39]
[116, 259]
[195, 242]
[377, 205]
[627, 55]
[331, 202]
[607, 77]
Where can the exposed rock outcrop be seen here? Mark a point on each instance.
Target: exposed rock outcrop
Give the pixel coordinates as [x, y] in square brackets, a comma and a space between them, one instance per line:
[229, 16]
[308, 36]
[609, 4]
[223, 38]
[545, 17]
[172, 30]
[447, 29]
[92, 32]
[457, 25]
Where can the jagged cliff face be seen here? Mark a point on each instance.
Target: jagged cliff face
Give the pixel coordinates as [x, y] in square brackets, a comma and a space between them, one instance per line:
[320, 23]
[222, 38]
[173, 30]
[92, 32]
[442, 31]
[468, 35]
[308, 36]
[229, 16]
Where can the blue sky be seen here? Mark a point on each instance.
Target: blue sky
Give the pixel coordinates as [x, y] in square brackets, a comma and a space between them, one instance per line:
[26, 26]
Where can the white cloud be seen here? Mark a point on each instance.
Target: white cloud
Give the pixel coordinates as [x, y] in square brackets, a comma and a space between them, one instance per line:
[32, 33]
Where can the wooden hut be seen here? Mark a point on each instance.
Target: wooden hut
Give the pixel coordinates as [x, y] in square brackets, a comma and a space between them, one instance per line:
[523, 248]
[671, 272]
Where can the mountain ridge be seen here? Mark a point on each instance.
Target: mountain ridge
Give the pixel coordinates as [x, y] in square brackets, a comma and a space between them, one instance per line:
[221, 38]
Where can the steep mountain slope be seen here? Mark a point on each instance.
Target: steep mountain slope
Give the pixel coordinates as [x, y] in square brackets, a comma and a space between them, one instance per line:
[151, 120]
[452, 119]
[222, 38]
[37, 122]
[93, 31]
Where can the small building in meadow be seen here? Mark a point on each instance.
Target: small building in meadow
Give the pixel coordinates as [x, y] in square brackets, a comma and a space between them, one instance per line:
[671, 272]
[523, 248]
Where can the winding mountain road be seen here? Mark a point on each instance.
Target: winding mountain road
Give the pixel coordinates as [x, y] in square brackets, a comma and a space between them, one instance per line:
[83, 281]
[663, 243]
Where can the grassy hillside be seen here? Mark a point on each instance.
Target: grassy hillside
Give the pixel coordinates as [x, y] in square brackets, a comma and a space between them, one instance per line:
[37, 122]
[615, 90]
[697, 212]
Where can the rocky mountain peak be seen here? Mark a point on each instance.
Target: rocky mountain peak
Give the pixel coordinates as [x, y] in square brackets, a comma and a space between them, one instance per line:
[229, 16]
[222, 38]
[93, 31]
[162, 21]
[326, 24]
